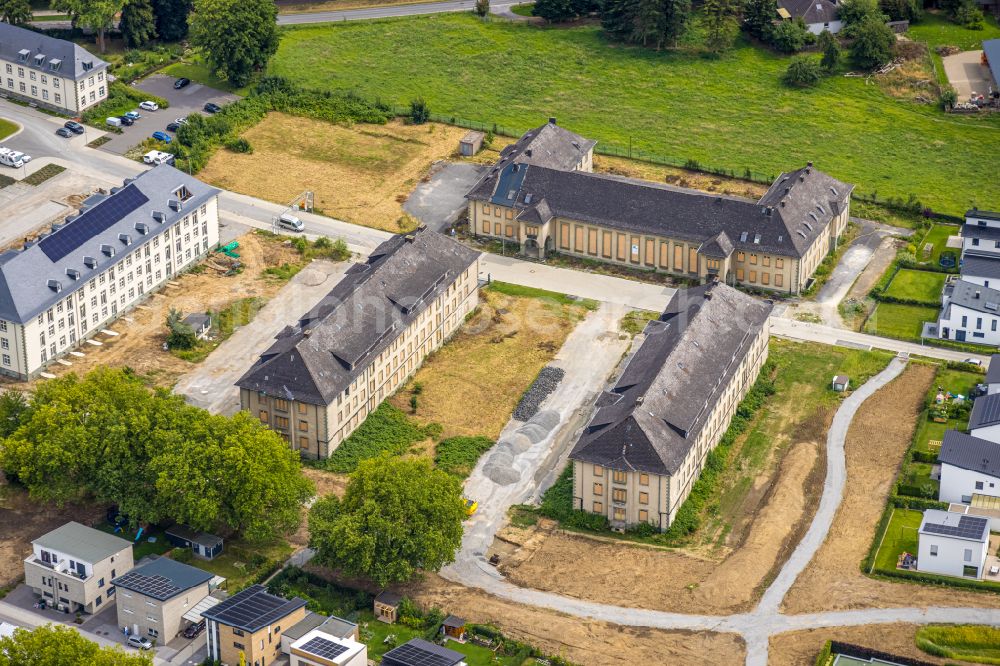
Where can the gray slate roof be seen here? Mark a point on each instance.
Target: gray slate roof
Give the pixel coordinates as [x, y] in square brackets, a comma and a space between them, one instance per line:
[25, 275]
[991, 47]
[993, 371]
[974, 212]
[653, 415]
[811, 11]
[968, 452]
[955, 525]
[549, 146]
[976, 231]
[76, 62]
[787, 220]
[985, 411]
[975, 297]
[418, 652]
[162, 578]
[333, 625]
[317, 358]
[85, 543]
[252, 608]
[981, 264]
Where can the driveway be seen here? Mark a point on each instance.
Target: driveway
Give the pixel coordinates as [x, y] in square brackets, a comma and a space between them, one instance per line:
[183, 102]
[440, 200]
[966, 73]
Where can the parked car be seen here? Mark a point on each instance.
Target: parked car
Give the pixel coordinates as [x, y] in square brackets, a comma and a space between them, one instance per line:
[149, 105]
[64, 132]
[162, 136]
[74, 127]
[134, 115]
[194, 629]
[139, 642]
[972, 361]
[21, 156]
[181, 121]
[173, 127]
[212, 107]
[289, 221]
[114, 121]
[126, 120]
[181, 83]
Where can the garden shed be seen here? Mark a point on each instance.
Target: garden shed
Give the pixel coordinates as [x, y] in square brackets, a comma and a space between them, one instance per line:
[387, 606]
[841, 383]
[453, 627]
[204, 545]
[200, 322]
[471, 143]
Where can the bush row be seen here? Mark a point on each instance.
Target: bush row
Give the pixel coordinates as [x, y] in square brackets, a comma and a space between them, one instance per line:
[121, 99]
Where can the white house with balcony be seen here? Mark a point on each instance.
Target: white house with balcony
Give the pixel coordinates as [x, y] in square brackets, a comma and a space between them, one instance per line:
[953, 544]
[970, 465]
[970, 312]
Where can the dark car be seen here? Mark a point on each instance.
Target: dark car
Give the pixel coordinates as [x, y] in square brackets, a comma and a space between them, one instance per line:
[64, 132]
[126, 120]
[193, 630]
[212, 107]
[173, 127]
[74, 127]
[181, 82]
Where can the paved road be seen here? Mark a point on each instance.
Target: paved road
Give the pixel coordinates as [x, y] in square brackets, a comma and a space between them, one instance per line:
[415, 9]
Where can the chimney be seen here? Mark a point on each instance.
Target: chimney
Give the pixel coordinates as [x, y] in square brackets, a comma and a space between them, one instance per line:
[410, 238]
[528, 152]
[552, 121]
[977, 294]
[809, 164]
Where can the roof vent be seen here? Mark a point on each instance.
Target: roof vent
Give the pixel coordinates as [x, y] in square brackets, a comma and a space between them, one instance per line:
[142, 228]
[977, 294]
[115, 190]
[813, 216]
[801, 233]
[125, 238]
[756, 239]
[410, 238]
[552, 121]
[73, 273]
[55, 285]
[90, 262]
[834, 190]
[808, 226]
[107, 249]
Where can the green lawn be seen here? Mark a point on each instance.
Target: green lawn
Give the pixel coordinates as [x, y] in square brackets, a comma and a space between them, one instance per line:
[374, 633]
[523, 10]
[902, 322]
[199, 72]
[936, 30]
[7, 128]
[938, 238]
[900, 536]
[978, 644]
[145, 547]
[721, 112]
[918, 285]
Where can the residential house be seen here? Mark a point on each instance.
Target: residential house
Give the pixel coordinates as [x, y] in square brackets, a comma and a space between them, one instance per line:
[970, 465]
[953, 544]
[203, 545]
[418, 652]
[775, 243]
[250, 623]
[984, 420]
[818, 15]
[992, 380]
[331, 625]
[991, 48]
[72, 567]
[325, 374]
[317, 648]
[53, 73]
[647, 441]
[980, 261]
[154, 597]
[970, 313]
[89, 270]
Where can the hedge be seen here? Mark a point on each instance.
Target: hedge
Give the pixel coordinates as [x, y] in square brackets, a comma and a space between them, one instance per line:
[917, 503]
[944, 581]
[925, 456]
[825, 655]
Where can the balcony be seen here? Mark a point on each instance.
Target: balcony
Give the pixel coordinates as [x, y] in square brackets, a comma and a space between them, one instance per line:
[61, 567]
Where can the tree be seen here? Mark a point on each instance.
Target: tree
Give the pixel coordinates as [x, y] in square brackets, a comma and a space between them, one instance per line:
[98, 15]
[789, 36]
[554, 10]
[873, 43]
[617, 18]
[482, 8]
[238, 37]
[720, 24]
[419, 113]
[138, 23]
[655, 23]
[901, 10]
[830, 49]
[968, 15]
[397, 516]
[182, 335]
[59, 645]
[855, 12]
[13, 405]
[172, 19]
[758, 16]
[802, 71]
[15, 12]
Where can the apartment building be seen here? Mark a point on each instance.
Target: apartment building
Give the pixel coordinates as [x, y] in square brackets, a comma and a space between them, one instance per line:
[648, 439]
[73, 567]
[775, 243]
[53, 73]
[969, 313]
[325, 374]
[87, 271]
[250, 623]
[551, 146]
[154, 597]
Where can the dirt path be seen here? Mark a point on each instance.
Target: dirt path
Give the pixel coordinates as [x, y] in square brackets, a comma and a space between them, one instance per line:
[801, 647]
[582, 641]
[876, 441]
[884, 256]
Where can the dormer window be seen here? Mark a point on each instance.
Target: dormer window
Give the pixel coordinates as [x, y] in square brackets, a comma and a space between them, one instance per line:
[55, 285]
[142, 228]
[39, 60]
[54, 65]
[125, 238]
[22, 55]
[175, 205]
[73, 273]
[108, 250]
[182, 193]
[159, 216]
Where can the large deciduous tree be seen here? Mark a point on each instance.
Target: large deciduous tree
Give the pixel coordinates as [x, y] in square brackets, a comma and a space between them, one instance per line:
[398, 516]
[238, 37]
[58, 645]
[758, 16]
[172, 18]
[138, 24]
[98, 15]
[15, 12]
[873, 43]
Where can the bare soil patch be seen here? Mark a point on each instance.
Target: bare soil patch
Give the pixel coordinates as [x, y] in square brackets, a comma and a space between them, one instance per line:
[581, 641]
[876, 441]
[472, 384]
[23, 519]
[360, 173]
[671, 580]
[883, 258]
[621, 166]
[801, 647]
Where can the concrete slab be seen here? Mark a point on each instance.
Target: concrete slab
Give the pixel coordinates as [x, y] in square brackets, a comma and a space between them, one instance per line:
[440, 200]
[966, 73]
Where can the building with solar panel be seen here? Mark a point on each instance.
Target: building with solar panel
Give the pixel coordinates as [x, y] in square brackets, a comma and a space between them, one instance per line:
[317, 648]
[154, 597]
[418, 652]
[953, 544]
[970, 464]
[50, 72]
[250, 623]
[99, 263]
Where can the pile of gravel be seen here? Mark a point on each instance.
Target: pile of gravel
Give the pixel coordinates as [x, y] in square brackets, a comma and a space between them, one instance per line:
[499, 467]
[543, 386]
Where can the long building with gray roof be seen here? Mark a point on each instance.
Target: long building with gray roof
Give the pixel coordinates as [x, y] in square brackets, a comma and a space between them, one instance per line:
[327, 372]
[648, 438]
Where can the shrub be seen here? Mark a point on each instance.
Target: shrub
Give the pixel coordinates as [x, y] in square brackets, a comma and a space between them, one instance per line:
[803, 71]
[969, 16]
[239, 145]
[873, 43]
[949, 97]
[386, 429]
[482, 8]
[459, 455]
[182, 336]
[789, 36]
[419, 113]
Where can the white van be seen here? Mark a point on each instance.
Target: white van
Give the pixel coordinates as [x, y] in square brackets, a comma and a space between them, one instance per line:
[114, 121]
[289, 221]
[158, 157]
[10, 158]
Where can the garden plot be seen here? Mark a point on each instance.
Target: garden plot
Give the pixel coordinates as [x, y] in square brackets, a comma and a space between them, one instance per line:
[911, 285]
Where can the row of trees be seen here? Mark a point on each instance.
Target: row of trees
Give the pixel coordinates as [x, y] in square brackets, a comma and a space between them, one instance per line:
[59, 645]
[107, 438]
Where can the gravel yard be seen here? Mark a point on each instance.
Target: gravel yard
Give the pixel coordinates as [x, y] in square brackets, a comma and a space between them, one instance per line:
[543, 386]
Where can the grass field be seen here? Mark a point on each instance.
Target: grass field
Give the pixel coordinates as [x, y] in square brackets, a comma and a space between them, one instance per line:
[524, 10]
[719, 112]
[7, 128]
[902, 322]
[917, 285]
[937, 236]
[900, 537]
[936, 30]
[978, 644]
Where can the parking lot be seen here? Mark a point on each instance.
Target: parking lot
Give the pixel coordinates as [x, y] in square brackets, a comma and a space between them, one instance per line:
[183, 102]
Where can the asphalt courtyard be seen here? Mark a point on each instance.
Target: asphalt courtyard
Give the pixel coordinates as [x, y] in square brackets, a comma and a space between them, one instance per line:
[183, 102]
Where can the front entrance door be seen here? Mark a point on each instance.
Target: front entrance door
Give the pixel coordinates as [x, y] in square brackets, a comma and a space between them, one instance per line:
[960, 336]
[532, 249]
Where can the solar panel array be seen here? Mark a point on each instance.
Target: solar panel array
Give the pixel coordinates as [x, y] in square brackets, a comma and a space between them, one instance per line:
[969, 527]
[255, 609]
[409, 654]
[324, 647]
[156, 586]
[97, 220]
